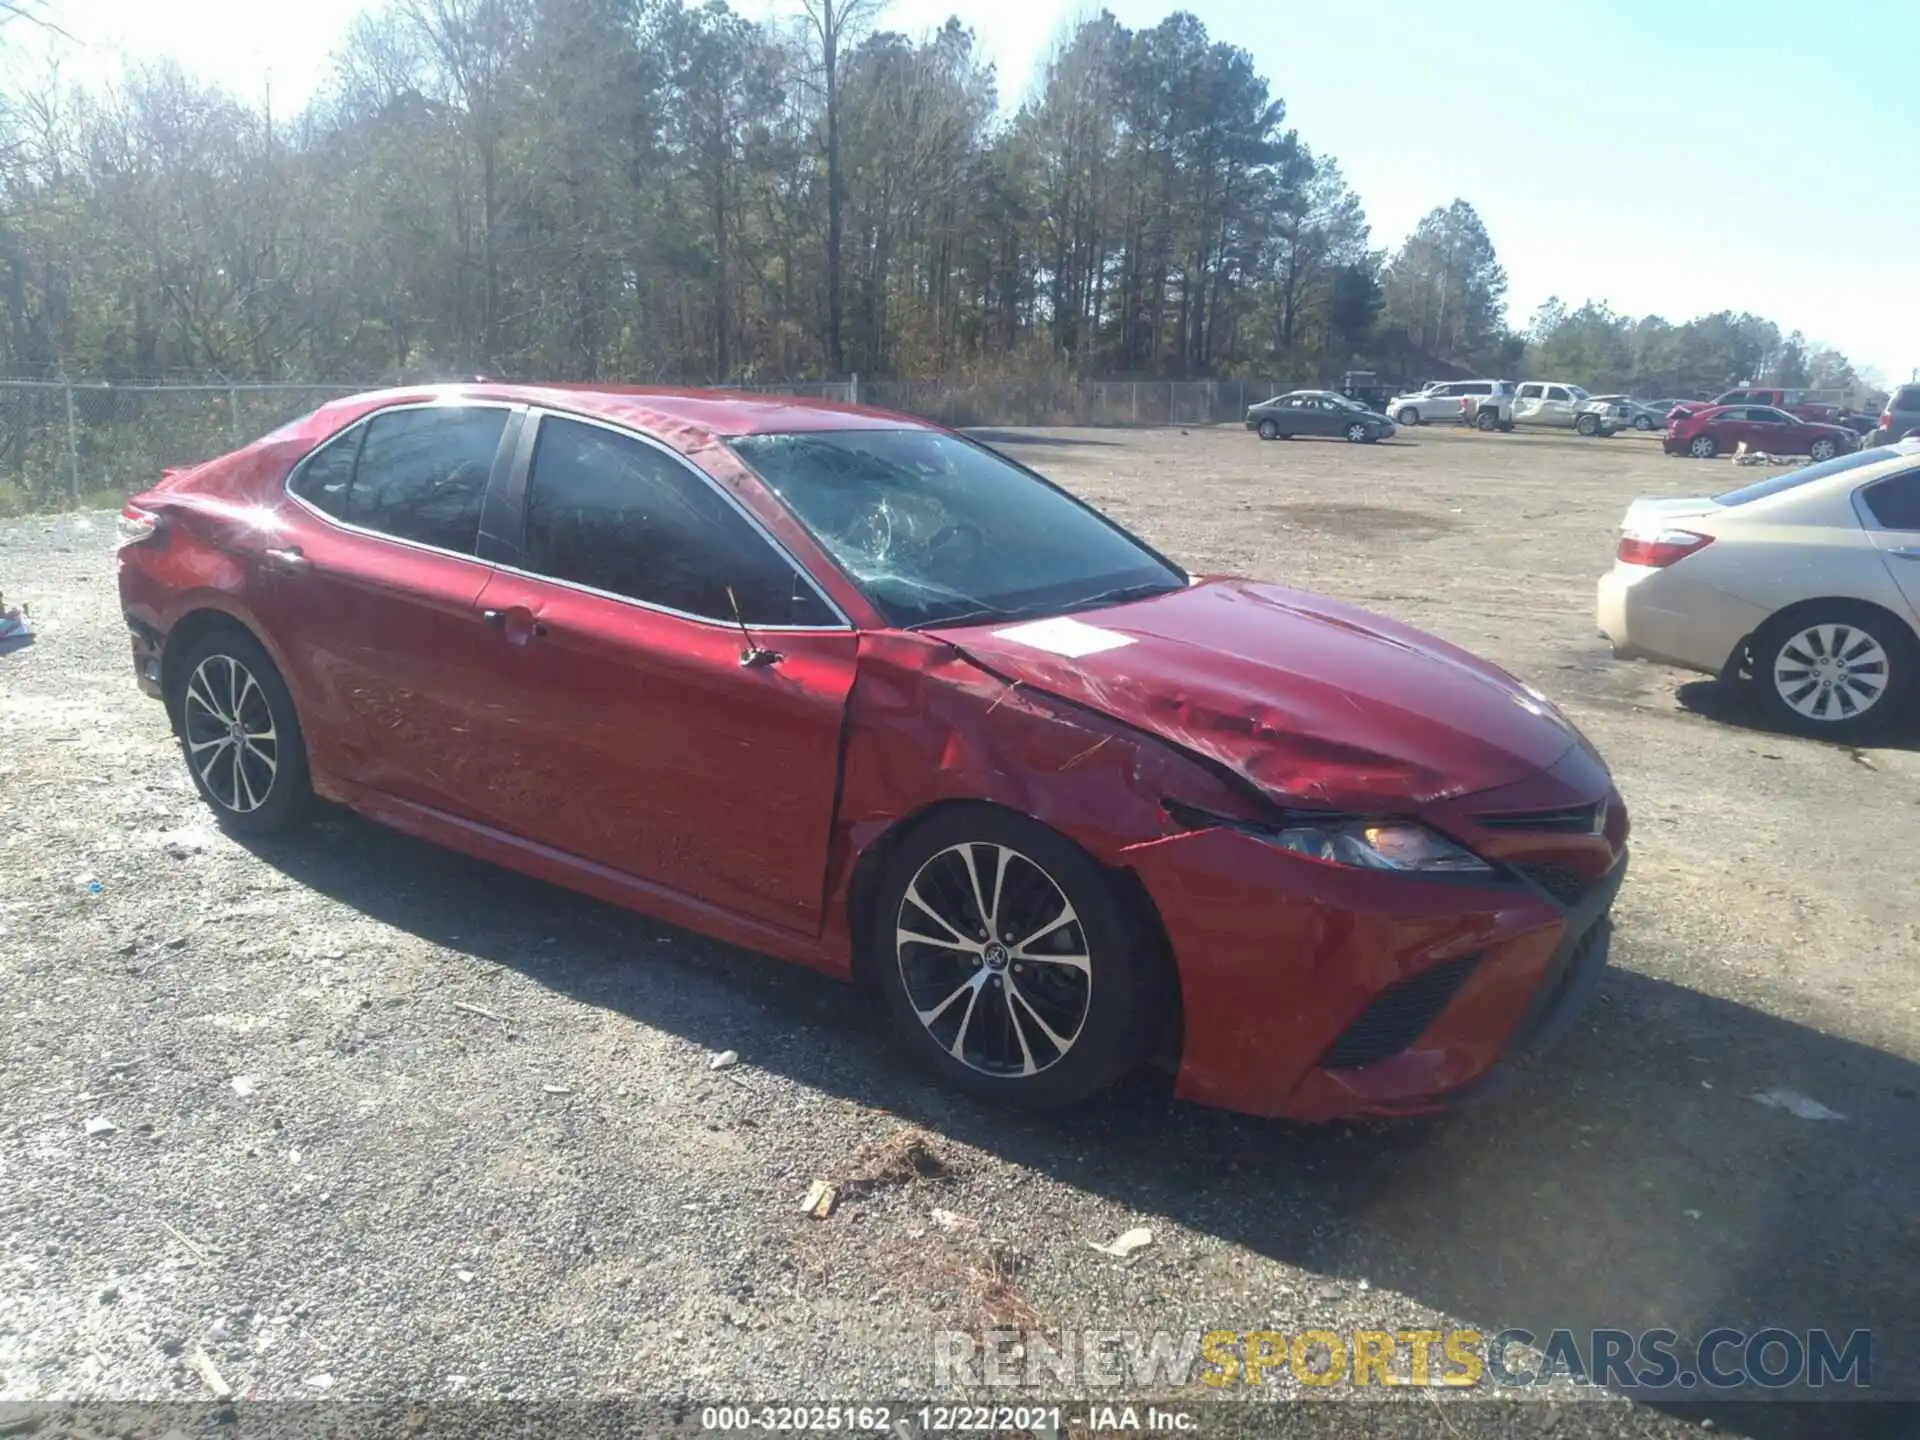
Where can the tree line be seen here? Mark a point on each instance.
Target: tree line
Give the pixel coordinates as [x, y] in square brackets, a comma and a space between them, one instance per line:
[659, 190]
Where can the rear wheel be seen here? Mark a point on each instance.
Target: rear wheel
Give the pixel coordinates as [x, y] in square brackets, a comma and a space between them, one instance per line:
[1703, 447]
[1836, 670]
[1269, 429]
[1008, 960]
[1587, 425]
[239, 733]
[1409, 416]
[1487, 421]
[1823, 449]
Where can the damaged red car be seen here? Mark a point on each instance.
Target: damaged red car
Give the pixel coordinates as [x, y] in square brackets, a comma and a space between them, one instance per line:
[856, 691]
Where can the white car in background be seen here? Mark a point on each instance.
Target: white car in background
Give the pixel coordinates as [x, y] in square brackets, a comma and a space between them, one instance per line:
[1808, 581]
[1549, 402]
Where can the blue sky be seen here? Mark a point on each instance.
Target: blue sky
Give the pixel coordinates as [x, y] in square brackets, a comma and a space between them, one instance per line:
[1668, 159]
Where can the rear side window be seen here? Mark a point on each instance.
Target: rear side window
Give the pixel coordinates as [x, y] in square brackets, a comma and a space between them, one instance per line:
[422, 474]
[1478, 387]
[607, 511]
[1895, 502]
[1906, 398]
[323, 481]
[1531, 392]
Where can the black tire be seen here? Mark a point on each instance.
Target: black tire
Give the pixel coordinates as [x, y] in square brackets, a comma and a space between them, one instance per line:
[1113, 1005]
[1823, 449]
[1588, 425]
[261, 787]
[1409, 416]
[1269, 429]
[1703, 447]
[1359, 434]
[1873, 650]
[1486, 422]
[1506, 427]
[1643, 422]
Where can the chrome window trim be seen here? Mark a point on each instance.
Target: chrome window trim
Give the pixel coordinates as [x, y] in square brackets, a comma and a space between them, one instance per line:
[538, 414]
[299, 468]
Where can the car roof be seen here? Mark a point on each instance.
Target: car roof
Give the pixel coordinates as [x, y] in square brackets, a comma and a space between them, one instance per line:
[684, 416]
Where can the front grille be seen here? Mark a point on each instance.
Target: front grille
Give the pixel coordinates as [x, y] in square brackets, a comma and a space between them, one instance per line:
[1399, 1015]
[1567, 820]
[1562, 882]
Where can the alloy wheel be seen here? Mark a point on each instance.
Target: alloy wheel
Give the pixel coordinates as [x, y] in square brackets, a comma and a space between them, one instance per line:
[1356, 432]
[1702, 447]
[994, 959]
[1831, 672]
[230, 736]
[1823, 449]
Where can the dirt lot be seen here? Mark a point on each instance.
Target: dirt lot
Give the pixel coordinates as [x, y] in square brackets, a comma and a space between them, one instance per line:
[481, 1151]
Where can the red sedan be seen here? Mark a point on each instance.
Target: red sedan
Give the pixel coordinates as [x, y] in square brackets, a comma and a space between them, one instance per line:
[858, 692]
[1719, 430]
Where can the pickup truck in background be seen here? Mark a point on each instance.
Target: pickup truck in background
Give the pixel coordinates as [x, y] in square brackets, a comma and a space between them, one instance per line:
[1791, 401]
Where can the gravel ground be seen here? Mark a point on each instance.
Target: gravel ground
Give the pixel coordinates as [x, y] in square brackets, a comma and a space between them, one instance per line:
[389, 1122]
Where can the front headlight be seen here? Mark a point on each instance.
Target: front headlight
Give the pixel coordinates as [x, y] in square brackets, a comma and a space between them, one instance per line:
[1379, 845]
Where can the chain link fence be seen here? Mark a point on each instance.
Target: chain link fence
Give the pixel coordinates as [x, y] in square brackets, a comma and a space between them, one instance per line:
[66, 444]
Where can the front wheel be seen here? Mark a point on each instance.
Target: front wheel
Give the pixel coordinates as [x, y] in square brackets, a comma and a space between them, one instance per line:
[1823, 449]
[1358, 434]
[1008, 960]
[1588, 425]
[239, 733]
[1703, 447]
[1269, 430]
[1836, 670]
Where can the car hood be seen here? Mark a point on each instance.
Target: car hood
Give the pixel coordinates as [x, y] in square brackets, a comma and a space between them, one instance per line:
[1317, 703]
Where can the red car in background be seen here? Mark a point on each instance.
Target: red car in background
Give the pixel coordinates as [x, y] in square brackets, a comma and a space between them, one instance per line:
[1719, 430]
[859, 692]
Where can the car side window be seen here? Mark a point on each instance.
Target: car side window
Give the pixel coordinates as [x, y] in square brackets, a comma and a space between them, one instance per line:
[1734, 412]
[324, 479]
[613, 513]
[1895, 502]
[422, 473]
[1558, 392]
[1531, 392]
[1767, 416]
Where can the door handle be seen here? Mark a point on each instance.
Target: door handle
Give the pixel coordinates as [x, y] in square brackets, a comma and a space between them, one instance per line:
[498, 620]
[287, 558]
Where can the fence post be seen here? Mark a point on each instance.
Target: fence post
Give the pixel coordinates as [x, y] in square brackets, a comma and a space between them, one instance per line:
[1136, 402]
[73, 447]
[853, 390]
[233, 413]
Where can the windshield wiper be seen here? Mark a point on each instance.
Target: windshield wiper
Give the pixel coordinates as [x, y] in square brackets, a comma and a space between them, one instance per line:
[1121, 594]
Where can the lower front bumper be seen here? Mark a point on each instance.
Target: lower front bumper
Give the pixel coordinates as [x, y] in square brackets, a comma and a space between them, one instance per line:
[1283, 961]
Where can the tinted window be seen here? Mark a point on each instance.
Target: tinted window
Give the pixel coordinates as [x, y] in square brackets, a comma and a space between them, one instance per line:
[933, 527]
[1531, 392]
[1765, 416]
[609, 511]
[1907, 398]
[423, 473]
[1731, 412]
[1477, 387]
[324, 479]
[1774, 484]
[1895, 502]
[1558, 392]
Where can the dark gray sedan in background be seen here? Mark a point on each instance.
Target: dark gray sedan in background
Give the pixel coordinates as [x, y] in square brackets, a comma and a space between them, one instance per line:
[1317, 412]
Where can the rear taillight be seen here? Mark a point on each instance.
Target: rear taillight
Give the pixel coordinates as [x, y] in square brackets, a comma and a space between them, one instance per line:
[1886, 420]
[136, 526]
[1659, 548]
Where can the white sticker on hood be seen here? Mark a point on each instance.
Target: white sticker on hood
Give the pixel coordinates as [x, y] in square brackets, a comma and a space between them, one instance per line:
[1064, 635]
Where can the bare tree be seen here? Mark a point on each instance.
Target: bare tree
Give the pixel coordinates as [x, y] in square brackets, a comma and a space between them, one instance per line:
[833, 23]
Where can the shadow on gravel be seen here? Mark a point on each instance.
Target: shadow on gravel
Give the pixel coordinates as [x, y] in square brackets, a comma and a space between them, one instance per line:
[1729, 704]
[1629, 1180]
